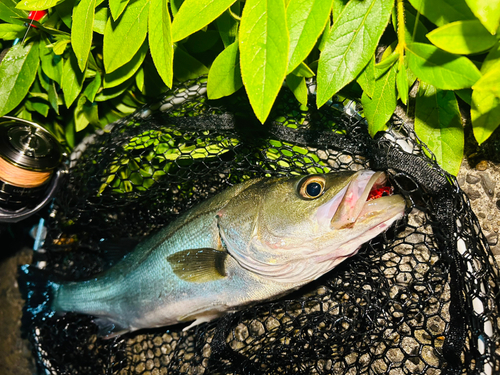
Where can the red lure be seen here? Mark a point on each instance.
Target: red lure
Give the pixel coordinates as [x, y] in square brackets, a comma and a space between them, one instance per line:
[36, 15]
[379, 192]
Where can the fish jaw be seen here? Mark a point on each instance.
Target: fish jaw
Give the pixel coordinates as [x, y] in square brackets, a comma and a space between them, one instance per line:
[355, 197]
[354, 209]
[388, 209]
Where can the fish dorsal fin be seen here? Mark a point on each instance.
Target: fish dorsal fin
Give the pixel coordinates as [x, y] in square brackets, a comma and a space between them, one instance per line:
[198, 265]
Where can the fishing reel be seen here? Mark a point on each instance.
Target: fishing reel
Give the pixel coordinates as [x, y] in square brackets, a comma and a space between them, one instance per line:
[30, 168]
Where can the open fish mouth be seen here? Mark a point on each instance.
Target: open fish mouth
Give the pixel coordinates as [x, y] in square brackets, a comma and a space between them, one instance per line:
[367, 195]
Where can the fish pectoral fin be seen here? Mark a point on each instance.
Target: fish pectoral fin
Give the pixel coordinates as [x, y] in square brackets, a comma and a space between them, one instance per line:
[198, 265]
[202, 316]
[109, 329]
[199, 321]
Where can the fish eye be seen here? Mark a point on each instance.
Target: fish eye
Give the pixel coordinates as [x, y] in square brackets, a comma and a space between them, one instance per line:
[312, 187]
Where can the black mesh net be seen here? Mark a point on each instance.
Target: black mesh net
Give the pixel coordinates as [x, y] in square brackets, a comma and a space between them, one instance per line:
[422, 298]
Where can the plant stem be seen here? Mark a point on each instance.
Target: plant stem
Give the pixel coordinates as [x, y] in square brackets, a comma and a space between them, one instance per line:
[400, 48]
[234, 15]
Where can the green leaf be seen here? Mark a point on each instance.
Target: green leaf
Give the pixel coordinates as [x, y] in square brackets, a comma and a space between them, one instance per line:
[186, 66]
[193, 16]
[306, 19]
[485, 106]
[37, 4]
[69, 133]
[441, 69]
[126, 71]
[113, 92]
[441, 12]
[53, 97]
[160, 40]
[391, 49]
[116, 7]
[81, 120]
[153, 85]
[488, 12]
[412, 34]
[337, 8]
[465, 95]
[492, 58]
[410, 76]
[10, 14]
[35, 92]
[228, 26]
[298, 86]
[100, 20]
[438, 124]
[224, 77]
[43, 79]
[386, 63]
[82, 31]
[24, 114]
[90, 111]
[263, 42]
[462, 37]
[17, 73]
[132, 100]
[380, 109]
[72, 80]
[52, 64]
[59, 47]
[201, 41]
[95, 64]
[351, 44]
[367, 78]
[175, 5]
[56, 33]
[11, 32]
[302, 70]
[37, 105]
[402, 83]
[123, 38]
[65, 11]
[92, 88]
[324, 36]
[139, 79]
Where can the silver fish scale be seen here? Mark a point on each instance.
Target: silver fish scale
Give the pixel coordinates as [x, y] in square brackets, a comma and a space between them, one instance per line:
[423, 298]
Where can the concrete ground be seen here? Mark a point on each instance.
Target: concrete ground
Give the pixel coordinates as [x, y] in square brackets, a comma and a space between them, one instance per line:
[15, 354]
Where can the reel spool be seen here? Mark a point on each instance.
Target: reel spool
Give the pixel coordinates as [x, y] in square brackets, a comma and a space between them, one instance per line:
[29, 161]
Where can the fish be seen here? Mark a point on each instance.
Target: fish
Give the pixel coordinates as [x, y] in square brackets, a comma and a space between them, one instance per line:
[255, 241]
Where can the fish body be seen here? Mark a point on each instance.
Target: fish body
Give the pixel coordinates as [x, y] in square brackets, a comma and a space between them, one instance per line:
[255, 241]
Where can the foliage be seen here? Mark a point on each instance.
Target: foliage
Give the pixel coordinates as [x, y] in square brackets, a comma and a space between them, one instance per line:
[90, 62]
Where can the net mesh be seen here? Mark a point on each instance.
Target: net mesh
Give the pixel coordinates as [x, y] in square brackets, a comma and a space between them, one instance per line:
[422, 298]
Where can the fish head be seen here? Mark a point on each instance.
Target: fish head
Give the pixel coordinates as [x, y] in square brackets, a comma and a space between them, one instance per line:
[293, 230]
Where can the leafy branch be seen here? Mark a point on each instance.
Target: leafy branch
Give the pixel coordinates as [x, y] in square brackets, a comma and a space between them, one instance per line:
[90, 62]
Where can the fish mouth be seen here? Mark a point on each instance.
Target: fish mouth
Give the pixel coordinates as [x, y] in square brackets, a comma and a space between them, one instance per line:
[368, 197]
